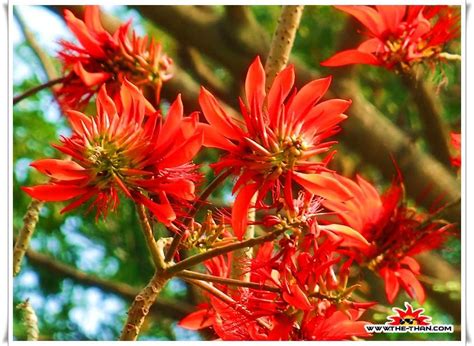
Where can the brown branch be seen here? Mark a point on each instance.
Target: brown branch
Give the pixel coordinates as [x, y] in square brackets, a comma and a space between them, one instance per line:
[378, 140]
[190, 57]
[141, 306]
[226, 281]
[429, 113]
[168, 307]
[282, 42]
[158, 260]
[29, 224]
[201, 257]
[37, 89]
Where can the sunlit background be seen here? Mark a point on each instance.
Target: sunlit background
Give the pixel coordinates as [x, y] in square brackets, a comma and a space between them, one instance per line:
[113, 250]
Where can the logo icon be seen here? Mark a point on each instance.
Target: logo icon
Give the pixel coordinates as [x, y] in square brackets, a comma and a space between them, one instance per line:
[409, 320]
[408, 317]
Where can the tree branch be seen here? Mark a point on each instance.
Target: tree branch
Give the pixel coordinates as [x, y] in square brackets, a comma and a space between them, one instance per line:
[201, 257]
[282, 42]
[141, 306]
[429, 113]
[29, 224]
[169, 307]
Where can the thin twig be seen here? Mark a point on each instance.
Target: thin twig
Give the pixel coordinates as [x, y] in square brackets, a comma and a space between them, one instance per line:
[149, 237]
[199, 258]
[36, 89]
[226, 281]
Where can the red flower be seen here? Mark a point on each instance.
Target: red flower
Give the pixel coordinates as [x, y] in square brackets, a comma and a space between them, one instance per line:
[456, 143]
[148, 160]
[301, 280]
[104, 58]
[276, 140]
[395, 231]
[399, 35]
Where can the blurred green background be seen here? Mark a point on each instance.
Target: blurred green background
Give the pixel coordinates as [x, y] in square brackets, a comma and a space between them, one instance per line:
[111, 250]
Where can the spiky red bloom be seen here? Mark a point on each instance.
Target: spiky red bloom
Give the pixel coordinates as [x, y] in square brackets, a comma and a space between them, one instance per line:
[395, 231]
[456, 143]
[399, 35]
[102, 58]
[121, 149]
[276, 140]
[304, 279]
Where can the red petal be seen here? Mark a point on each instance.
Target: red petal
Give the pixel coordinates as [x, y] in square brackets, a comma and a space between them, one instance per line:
[184, 153]
[197, 320]
[411, 263]
[60, 169]
[172, 122]
[392, 16]
[372, 45]
[349, 57]
[105, 104]
[280, 89]
[163, 212]
[78, 27]
[412, 285]
[351, 237]
[326, 115]
[183, 189]
[323, 185]
[308, 96]
[241, 208]
[391, 283]
[297, 298]
[255, 84]
[368, 16]
[92, 18]
[78, 121]
[90, 78]
[216, 116]
[213, 139]
[54, 192]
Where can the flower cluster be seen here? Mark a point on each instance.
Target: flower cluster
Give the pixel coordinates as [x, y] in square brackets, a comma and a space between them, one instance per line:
[400, 36]
[395, 232]
[302, 293]
[276, 141]
[103, 58]
[122, 149]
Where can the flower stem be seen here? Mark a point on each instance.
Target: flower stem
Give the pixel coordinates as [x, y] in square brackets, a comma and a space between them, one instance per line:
[199, 258]
[282, 42]
[149, 237]
[141, 306]
[36, 89]
[194, 209]
[29, 224]
[226, 281]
